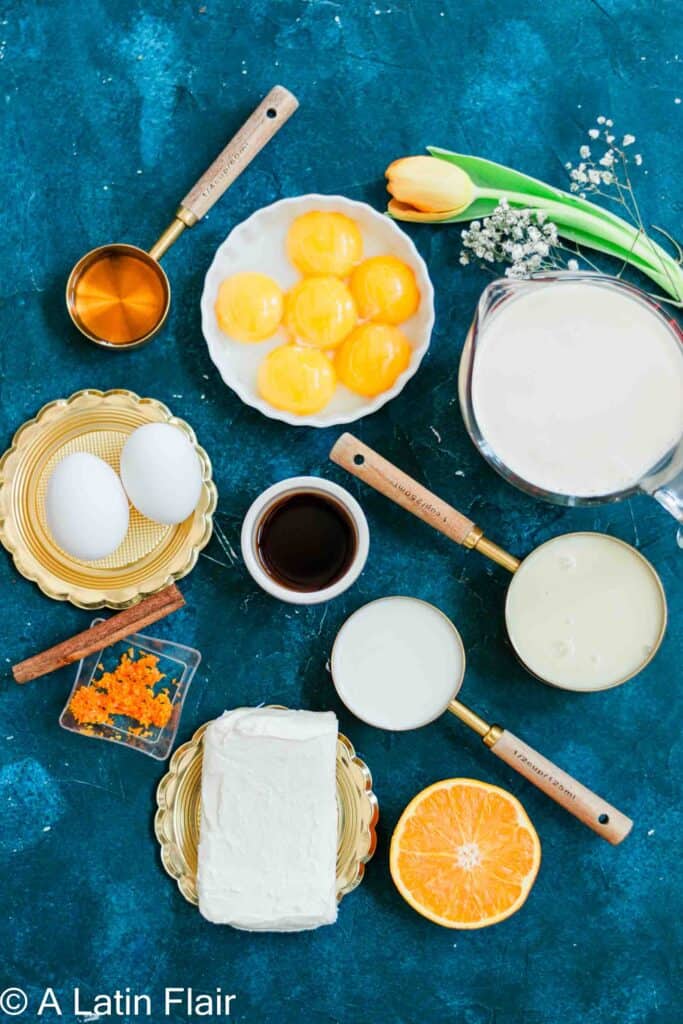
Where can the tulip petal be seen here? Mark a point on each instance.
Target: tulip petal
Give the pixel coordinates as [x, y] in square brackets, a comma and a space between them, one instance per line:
[404, 211]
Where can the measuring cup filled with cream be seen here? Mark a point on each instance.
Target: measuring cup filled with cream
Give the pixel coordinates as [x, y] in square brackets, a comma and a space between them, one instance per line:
[584, 611]
[571, 386]
[398, 663]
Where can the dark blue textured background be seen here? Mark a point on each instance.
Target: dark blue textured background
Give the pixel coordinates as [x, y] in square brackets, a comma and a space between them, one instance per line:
[110, 110]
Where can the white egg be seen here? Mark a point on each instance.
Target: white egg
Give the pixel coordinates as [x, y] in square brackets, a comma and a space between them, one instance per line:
[161, 473]
[86, 507]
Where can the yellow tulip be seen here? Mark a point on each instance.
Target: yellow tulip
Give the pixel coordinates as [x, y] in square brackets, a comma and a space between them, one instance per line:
[426, 188]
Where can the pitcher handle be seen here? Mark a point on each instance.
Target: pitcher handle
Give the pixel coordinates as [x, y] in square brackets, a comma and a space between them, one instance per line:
[670, 497]
[666, 486]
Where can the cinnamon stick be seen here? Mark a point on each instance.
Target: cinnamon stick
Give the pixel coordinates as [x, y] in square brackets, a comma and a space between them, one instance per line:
[118, 627]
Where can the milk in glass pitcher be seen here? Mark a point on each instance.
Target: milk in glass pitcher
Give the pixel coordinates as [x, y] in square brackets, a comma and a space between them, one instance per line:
[571, 386]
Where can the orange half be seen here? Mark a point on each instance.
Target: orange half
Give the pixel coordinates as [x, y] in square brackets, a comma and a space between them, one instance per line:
[464, 854]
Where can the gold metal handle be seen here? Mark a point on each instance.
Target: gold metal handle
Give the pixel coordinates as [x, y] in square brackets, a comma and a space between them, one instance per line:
[166, 239]
[489, 733]
[497, 554]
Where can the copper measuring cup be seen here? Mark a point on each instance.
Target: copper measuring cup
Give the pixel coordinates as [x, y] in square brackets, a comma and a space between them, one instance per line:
[112, 277]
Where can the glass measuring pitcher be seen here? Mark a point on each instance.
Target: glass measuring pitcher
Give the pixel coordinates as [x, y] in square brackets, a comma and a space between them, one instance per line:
[571, 387]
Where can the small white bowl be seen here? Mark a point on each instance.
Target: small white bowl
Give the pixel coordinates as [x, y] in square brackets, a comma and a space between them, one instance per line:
[258, 243]
[255, 515]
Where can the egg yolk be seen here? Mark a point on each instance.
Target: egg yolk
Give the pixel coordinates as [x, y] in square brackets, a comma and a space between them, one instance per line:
[297, 379]
[320, 311]
[249, 306]
[372, 357]
[324, 243]
[385, 289]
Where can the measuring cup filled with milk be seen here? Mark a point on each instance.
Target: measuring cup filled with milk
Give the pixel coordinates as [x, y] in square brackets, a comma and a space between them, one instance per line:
[571, 386]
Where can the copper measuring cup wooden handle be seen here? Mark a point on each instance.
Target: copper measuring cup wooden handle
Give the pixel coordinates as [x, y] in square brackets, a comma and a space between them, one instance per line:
[259, 128]
[376, 471]
[602, 817]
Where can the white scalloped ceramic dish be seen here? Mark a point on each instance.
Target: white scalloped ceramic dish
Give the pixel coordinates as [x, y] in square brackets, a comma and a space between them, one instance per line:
[258, 243]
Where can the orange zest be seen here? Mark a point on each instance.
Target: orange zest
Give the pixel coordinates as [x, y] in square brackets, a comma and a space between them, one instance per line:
[464, 854]
[128, 690]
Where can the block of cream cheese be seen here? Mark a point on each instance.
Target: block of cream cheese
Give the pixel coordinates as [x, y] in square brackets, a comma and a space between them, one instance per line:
[268, 830]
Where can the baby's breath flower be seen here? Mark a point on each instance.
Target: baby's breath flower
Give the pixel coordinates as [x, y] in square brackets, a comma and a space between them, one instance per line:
[525, 239]
[597, 173]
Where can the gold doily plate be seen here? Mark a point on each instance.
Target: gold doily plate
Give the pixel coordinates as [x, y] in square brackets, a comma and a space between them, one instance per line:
[176, 822]
[151, 555]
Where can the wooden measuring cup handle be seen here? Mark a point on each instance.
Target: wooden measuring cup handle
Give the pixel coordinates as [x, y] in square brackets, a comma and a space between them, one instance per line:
[588, 807]
[393, 483]
[257, 130]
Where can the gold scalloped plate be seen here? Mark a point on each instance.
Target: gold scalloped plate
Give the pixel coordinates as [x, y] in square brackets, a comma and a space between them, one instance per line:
[151, 555]
[176, 822]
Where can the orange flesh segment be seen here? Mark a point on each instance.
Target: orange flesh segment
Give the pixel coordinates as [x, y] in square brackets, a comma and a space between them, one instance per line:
[465, 854]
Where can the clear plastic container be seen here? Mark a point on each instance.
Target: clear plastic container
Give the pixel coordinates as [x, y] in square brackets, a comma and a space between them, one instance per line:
[177, 662]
